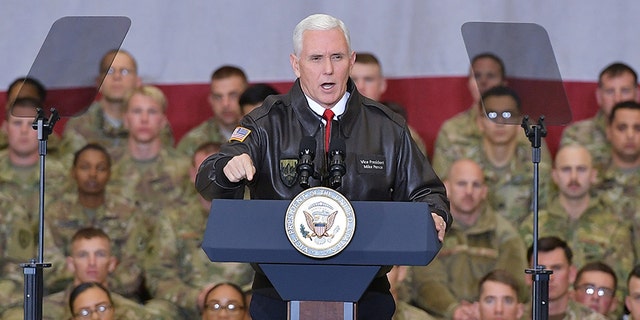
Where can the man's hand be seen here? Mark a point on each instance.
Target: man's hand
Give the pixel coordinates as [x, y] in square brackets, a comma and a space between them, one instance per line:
[239, 167]
[465, 311]
[441, 226]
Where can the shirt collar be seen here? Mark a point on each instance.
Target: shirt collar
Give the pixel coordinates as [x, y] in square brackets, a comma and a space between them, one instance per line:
[338, 109]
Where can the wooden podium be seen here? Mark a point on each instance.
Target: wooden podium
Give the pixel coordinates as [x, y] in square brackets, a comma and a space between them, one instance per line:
[386, 233]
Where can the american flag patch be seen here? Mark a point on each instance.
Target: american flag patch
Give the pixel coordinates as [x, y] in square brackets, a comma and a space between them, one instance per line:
[239, 134]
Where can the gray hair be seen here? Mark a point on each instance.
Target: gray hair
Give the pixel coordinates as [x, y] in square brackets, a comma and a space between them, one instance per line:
[318, 22]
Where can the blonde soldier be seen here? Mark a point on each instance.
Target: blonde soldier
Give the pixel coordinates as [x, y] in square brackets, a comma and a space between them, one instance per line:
[149, 172]
[103, 121]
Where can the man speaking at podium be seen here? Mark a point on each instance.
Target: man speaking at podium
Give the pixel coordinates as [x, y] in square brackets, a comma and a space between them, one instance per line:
[365, 151]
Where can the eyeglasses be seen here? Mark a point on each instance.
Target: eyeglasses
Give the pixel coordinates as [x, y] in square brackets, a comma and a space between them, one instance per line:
[216, 307]
[123, 71]
[590, 290]
[86, 313]
[506, 115]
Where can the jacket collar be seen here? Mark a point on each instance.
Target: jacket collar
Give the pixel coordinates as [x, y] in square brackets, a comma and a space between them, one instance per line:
[311, 121]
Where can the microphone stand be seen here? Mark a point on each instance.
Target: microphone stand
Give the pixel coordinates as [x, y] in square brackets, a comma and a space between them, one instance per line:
[540, 275]
[33, 270]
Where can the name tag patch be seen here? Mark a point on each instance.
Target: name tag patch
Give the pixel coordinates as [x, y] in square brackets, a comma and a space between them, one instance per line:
[371, 164]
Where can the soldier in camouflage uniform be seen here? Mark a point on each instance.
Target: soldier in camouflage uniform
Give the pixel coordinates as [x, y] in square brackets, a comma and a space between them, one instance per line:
[479, 241]
[595, 287]
[556, 255]
[588, 224]
[371, 83]
[102, 123]
[151, 173]
[26, 87]
[19, 200]
[193, 269]
[461, 132]
[620, 184]
[632, 300]
[506, 161]
[17, 245]
[499, 296]
[617, 82]
[227, 84]
[90, 260]
[87, 202]
[404, 311]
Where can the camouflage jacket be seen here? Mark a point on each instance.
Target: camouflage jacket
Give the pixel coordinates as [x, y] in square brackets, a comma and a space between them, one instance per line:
[467, 254]
[120, 218]
[460, 133]
[92, 126]
[186, 268]
[591, 133]
[598, 235]
[208, 131]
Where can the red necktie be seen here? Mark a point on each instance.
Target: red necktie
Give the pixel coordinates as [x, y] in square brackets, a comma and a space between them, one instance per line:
[327, 115]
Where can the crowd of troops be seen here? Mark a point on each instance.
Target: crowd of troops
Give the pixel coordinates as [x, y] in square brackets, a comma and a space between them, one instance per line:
[122, 214]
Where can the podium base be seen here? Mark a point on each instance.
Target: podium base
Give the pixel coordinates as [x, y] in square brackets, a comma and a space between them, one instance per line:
[321, 310]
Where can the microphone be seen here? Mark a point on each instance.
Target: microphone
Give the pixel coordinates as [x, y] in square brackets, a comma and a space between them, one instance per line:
[305, 165]
[336, 162]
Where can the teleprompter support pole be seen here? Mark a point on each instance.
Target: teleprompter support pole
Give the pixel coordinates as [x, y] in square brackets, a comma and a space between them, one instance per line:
[540, 275]
[34, 270]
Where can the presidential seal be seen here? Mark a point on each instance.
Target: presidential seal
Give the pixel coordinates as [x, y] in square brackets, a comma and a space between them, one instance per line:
[320, 222]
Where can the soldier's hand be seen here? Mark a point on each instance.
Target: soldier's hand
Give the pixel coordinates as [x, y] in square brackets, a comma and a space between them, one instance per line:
[465, 311]
[239, 167]
[441, 226]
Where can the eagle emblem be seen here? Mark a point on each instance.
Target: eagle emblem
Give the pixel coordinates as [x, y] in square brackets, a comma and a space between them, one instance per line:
[320, 224]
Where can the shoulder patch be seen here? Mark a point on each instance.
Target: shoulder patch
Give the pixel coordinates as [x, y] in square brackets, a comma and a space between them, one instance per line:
[239, 134]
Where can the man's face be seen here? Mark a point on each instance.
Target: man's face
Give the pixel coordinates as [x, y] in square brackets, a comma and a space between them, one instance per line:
[121, 78]
[144, 118]
[499, 301]
[323, 65]
[465, 188]
[573, 172]
[224, 99]
[632, 301]
[369, 80]
[22, 138]
[91, 172]
[485, 74]
[563, 274]
[624, 134]
[614, 90]
[494, 130]
[91, 260]
[595, 289]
